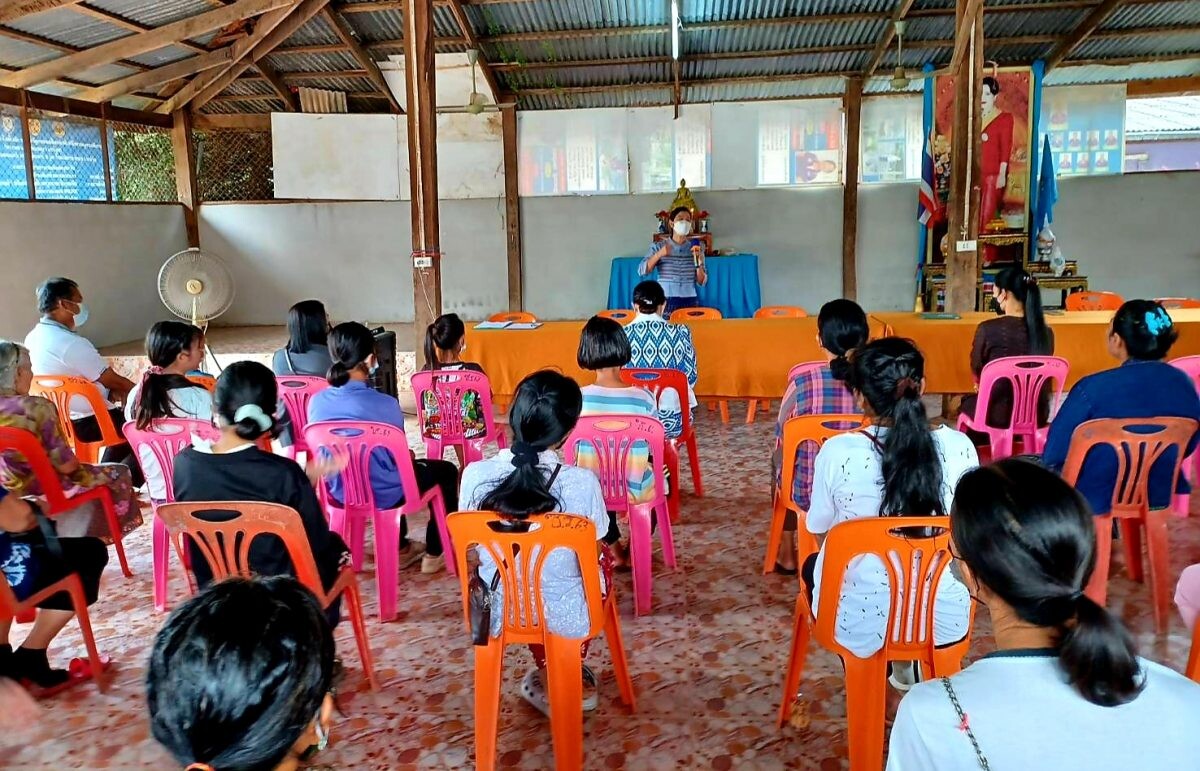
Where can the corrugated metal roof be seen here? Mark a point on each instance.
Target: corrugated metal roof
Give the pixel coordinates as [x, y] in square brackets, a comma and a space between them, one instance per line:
[17, 53]
[162, 56]
[1066, 75]
[722, 10]
[359, 85]
[777, 65]
[881, 86]
[389, 24]
[314, 32]
[65, 26]
[315, 62]
[582, 49]
[1140, 45]
[1153, 15]
[153, 13]
[104, 73]
[1162, 115]
[246, 87]
[783, 89]
[543, 15]
[586, 76]
[569, 101]
[773, 37]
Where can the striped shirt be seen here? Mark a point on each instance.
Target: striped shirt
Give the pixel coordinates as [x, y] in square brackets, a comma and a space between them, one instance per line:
[599, 400]
[676, 271]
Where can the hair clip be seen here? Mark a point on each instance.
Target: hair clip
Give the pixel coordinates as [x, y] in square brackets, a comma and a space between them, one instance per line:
[1157, 321]
[255, 413]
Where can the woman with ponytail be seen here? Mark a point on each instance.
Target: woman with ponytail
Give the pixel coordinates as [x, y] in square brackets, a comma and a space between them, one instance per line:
[352, 397]
[898, 466]
[1065, 687]
[841, 327]
[234, 468]
[529, 480]
[174, 349]
[1020, 331]
[445, 341]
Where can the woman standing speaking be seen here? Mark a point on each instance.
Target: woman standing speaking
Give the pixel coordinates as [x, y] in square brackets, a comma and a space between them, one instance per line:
[680, 263]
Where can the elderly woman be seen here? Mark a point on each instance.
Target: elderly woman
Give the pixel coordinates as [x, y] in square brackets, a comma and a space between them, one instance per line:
[39, 417]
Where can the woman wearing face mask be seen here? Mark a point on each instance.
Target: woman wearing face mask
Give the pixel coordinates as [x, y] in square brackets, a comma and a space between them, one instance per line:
[680, 263]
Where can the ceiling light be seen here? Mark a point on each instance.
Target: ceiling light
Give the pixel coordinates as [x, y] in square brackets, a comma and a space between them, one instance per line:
[676, 25]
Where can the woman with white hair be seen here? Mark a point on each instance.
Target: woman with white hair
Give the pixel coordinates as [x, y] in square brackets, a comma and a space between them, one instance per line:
[39, 417]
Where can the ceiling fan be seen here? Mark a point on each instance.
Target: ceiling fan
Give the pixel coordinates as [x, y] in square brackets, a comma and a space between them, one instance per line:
[900, 79]
[477, 103]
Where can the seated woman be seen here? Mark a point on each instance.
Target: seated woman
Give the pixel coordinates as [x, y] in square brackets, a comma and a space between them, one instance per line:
[898, 466]
[30, 563]
[1144, 386]
[39, 417]
[306, 353]
[174, 349]
[241, 678]
[529, 480]
[351, 397]
[1065, 687]
[655, 343]
[841, 327]
[1020, 331]
[445, 341]
[235, 469]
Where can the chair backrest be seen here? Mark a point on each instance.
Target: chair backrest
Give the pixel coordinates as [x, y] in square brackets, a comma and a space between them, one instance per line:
[817, 429]
[1178, 302]
[781, 312]
[621, 316]
[612, 438]
[297, 391]
[658, 380]
[449, 386]
[516, 317]
[1094, 301]
[226, 544]
[1191, 366]
[62, 390]
[915, 552]
[519, 557]
[350, 443]
[695, 314]
[1027, 374]
[166, 438]
[29, 447]
[1138, 443]
[207, 382]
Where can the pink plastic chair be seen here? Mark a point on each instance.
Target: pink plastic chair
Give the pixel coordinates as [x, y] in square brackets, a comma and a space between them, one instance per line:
[1027, 374]
[612, 437]
[656, 381]
[297, 391]
[1191, 366]
[449, 387]
[165, 439]
[351, 443]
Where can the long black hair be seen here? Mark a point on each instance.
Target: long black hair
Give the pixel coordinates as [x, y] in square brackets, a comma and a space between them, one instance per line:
[1024, 288]
[308, 325]
[544, 411]
[888, 374]
[444, 334]
[350, 344]
[239, 672]
[842, 327]
[242, 387]
[1146, 328]
[1030, 538]
[164, 342]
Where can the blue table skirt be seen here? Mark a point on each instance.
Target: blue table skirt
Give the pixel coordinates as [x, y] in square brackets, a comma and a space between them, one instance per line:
[732, 284]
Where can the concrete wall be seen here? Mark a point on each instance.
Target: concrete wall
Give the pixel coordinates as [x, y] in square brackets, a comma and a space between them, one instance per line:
[114, 251]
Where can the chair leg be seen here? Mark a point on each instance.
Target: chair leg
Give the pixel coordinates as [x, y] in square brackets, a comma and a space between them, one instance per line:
[866, 703]
[114, 529]
[565, 687]
[694, 462]
[642, 555]
[1097, 587]
[1131, 535]
[1158, 554]
[774, 533]
[387, 561]
[796, 659]
[79, 601]
[672, 452]
[160, 549]
[666, 532]
[489, 665]
[354, 609]
[751, 410]
[616, 651]
[437, 509]
[723, 405]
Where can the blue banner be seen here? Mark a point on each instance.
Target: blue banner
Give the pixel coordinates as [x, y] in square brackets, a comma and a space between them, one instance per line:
[68, 160]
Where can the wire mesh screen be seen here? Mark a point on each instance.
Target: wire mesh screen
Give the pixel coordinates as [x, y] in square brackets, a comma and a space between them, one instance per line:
[12, 154]
[68, 157]
[143, 167]
[234, 165]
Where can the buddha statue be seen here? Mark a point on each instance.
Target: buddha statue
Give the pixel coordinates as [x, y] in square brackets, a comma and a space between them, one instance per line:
[683, 197]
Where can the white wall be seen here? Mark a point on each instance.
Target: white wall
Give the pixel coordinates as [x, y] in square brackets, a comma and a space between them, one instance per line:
[114, 251]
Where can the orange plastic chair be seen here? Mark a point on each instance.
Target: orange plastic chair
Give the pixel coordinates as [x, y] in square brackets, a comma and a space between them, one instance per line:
[1178, 302]
[13, 609]
[62, 389]
[1193, 665]
[519, 556]
[781, 312]
[515, 317]
[57, 501]
[207, 382]
[226, 548]
[694, 314]
[622, 317]
[911, 561]
[1137, 451]
[656, 381]
[1094, 301]
[796, 432]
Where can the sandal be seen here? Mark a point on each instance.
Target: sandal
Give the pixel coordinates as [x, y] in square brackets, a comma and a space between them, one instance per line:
[411, 554]
[533, 690]
[781, 570]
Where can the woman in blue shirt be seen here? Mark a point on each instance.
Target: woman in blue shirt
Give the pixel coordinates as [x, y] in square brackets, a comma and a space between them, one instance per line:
[679, 263]
[1144, 386]
[351, 397]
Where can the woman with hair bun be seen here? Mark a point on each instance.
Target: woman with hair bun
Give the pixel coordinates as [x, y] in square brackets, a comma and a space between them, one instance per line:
[1065, 687]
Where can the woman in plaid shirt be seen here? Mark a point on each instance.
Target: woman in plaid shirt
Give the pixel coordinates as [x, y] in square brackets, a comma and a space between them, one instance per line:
[841, 327]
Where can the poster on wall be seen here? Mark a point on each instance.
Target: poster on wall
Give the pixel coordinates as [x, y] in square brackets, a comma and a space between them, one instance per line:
[68, 160]
[800, 144]
[1086, 128]
[562, 152]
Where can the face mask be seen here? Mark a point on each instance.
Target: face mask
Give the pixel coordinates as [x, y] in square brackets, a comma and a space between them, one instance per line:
[997, 308]
[683, 227]
[81, 316]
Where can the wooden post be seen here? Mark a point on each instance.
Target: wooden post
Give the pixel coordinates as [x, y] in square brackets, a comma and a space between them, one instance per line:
[852, 103]
[512, 209]
[185, 173]
[419, 77]
[104, 149]
[962, 267]
[27, 141]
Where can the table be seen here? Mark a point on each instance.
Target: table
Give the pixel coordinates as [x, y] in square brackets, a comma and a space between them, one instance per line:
[1079, 337]
[737, 358]
[732, 284]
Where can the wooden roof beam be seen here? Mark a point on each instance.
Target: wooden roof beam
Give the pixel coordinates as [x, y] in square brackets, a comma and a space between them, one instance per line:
[350, 39]
[576, 34]
[885, 40]
[281, 88]
[1089, 25]
[133, 26]
[965, 32]
[45, 42]
[164, 74]
[376, 45]
[468, 31]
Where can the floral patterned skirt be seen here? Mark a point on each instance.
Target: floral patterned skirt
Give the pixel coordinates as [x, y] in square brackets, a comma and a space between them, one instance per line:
[89, 519]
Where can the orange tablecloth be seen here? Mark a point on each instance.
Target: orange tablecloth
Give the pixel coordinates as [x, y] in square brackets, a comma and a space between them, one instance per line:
[1079, 337]
[736, 357]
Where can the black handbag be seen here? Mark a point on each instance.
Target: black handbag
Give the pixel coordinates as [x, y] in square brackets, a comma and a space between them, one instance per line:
[480, 596]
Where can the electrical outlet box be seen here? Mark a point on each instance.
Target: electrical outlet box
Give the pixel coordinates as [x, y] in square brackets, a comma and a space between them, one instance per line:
[422, 262]
[966, 246]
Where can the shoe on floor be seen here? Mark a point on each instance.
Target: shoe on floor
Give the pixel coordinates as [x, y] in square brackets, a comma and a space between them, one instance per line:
[591, 689]
[410, 554]
[533, 690]
[431, 564]
[903, 676]
[32, 665]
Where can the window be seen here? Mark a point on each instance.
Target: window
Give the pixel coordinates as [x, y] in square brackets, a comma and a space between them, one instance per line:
[892, 139]
[1086, 127]
[1162, 134]
[800, 142]
[573, 152]
[663, 150]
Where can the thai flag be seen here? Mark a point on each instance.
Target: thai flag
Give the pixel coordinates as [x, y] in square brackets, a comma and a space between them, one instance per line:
[927, 202]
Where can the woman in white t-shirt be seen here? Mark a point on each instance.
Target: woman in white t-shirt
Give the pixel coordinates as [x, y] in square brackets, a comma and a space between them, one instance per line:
[174, 349]
[897, 466]
[1065, 687]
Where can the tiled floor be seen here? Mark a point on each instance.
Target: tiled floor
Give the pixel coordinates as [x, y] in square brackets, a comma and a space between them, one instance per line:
[707, 664]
